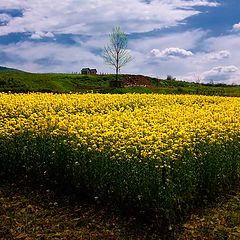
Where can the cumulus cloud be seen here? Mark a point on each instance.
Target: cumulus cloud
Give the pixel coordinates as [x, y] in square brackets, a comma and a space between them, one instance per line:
[40, 35]
[219, 55]
[204, 63]
[222, 74]
[236, 26]
[171, 53]
[224, 69]
[96, 17]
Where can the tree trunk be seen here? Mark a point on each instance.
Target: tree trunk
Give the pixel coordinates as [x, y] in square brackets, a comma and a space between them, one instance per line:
[116, 73]
[117, 67]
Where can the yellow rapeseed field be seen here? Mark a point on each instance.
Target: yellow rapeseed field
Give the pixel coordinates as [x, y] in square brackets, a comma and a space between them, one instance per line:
[130, 126]
[167, 131]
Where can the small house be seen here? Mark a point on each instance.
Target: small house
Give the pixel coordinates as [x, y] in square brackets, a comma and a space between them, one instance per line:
[93, 71]
[88, 71]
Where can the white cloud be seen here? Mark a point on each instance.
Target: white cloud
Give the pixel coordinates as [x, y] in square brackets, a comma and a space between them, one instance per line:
[219, 55]
[222, 74]
[223, 69]
[171, 53]
[96, 16]
[204, 64]
[40, 35]
[202, 3]
[236, 26]
[230, 43]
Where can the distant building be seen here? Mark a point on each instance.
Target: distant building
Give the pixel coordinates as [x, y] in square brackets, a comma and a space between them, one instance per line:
[88, 71]
[93, 71]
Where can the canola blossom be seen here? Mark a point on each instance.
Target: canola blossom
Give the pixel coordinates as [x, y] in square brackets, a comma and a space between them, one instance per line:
[151, 149]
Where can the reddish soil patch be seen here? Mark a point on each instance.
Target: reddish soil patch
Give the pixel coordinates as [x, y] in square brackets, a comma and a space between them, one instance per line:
[136, 80]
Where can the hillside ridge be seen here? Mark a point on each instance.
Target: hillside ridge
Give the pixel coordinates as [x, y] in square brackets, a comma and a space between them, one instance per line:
[14, 80]
[7, 69]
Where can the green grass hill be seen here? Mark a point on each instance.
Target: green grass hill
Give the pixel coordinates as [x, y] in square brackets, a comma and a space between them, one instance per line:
[18, 81]
[6, 69]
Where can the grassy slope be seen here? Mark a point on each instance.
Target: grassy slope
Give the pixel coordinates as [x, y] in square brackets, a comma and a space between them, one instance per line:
[24, 82]
[6, 69]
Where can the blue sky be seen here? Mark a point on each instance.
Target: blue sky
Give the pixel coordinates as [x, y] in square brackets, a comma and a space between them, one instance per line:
[193, 40]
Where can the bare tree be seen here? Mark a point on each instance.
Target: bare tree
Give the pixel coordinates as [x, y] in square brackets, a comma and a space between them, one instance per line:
[116, 53]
